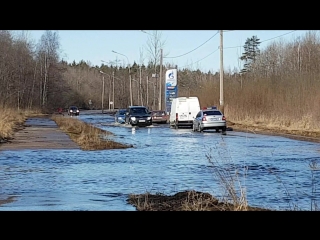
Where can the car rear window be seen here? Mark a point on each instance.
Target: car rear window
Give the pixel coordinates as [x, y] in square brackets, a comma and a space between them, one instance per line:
[159, 113]
[210, 113]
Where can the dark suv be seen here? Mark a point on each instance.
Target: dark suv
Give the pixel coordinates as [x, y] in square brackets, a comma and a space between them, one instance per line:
[138, 116]
[73, 111]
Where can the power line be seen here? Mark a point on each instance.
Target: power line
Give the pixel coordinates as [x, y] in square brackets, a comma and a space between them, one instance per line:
[202, 58]
[195, 48]
[235, 46]
[278, 36]
[265, 40]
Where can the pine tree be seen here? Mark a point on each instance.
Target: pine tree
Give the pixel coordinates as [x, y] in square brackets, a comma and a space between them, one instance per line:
[251, 51]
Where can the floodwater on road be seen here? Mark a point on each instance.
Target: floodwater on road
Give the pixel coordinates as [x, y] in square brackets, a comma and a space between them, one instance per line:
[274, 171]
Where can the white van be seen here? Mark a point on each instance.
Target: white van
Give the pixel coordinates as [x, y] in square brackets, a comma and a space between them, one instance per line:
[183, 111]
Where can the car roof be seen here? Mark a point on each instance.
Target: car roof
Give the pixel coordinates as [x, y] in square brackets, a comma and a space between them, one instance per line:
[210, 110]
[137, 107]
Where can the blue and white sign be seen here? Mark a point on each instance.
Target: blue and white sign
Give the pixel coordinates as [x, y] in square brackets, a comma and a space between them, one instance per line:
[171, 87]
[171, 77]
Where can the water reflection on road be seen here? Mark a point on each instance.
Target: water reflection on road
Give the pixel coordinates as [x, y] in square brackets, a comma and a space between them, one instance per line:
[274, 170]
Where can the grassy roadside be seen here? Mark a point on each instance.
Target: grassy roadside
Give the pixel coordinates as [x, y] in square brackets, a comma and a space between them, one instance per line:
[87, 136]
[12, 120]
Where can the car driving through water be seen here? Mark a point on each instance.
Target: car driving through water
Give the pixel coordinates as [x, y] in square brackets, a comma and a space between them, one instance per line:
[210, 118]
[138, 116]
[120, 116]
[73, 111]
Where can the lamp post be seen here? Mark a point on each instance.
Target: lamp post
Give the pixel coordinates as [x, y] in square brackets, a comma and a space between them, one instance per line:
[138, 89]
[102, 92]
[112, 88]
[154, 93]
[130, 80]
[113, 77]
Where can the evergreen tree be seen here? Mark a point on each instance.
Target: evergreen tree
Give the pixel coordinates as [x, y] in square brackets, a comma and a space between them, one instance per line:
[251, 51]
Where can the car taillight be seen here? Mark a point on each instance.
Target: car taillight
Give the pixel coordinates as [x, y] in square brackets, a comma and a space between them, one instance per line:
[224, 118]
[204, 119]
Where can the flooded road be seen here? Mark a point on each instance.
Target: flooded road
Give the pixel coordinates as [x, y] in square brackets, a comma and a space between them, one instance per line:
[275, 171]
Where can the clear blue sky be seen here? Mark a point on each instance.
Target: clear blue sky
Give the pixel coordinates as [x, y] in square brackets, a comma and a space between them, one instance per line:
[96, 45]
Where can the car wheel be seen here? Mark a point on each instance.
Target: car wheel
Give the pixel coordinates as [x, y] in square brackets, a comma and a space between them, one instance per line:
[217, 130]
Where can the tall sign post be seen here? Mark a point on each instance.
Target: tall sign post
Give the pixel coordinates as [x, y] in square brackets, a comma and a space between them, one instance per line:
[171, 88]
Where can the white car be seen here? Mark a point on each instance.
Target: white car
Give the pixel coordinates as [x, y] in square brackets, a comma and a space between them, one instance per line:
[210, 118]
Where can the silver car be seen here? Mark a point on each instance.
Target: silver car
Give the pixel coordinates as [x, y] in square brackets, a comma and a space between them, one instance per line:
[210, 118]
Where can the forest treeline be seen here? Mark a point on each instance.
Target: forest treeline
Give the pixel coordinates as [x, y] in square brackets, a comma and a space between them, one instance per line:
[278, 85]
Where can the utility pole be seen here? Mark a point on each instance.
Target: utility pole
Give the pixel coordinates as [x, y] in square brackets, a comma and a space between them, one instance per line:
[109, 92]
[160, 81]
[221, 72]
[102, 93]
[147, 91]
[140, 86]
[113, 90]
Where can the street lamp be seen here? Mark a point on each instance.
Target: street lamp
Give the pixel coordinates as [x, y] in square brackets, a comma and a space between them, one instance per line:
[112, 89]
[146, 32]
[154, 93]
[102, 93]
[109, 88]
[130, 81]
[138, 89]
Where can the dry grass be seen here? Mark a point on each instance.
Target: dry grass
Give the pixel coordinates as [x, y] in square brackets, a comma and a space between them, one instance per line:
[87, 136]
[183, 201]
[12, 120]
[9, 121]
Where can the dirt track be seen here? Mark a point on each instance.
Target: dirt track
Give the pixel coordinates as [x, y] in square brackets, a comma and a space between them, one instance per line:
[39, 133]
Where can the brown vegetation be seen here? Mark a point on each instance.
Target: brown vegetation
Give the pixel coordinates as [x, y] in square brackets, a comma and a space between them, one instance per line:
[13, 120]
[184, 201]
[280, 92]
[87, 136]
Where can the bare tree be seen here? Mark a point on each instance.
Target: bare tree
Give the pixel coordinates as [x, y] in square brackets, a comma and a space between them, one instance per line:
[155, 46]
[48, 58]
